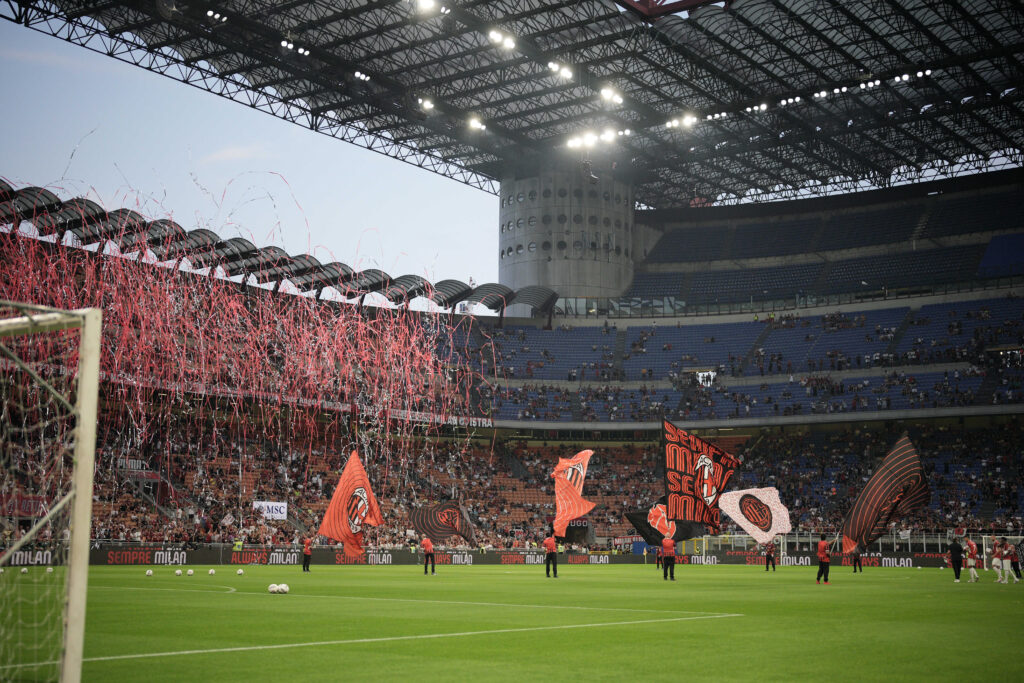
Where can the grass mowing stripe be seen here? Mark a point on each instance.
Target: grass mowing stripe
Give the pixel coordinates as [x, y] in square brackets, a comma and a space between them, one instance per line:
[420, 600]
[356, 641]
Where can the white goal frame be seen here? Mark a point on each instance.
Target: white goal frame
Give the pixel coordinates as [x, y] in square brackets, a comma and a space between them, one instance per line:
[36, 319]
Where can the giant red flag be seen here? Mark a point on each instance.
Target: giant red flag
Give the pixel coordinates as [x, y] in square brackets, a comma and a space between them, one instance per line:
[569, 504]
[352, 506]
[897, 488]
[696, 473]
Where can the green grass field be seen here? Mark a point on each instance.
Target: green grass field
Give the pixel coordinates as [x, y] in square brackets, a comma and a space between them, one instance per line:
[495, 623]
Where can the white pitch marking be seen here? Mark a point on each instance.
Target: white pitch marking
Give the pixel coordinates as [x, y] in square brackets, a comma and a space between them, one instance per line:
[386, 639]
[179, 590]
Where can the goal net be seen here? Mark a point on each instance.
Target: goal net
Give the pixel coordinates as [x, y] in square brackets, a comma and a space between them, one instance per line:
[49, 368]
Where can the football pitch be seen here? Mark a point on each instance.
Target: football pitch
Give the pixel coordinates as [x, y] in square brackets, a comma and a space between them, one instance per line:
[619, 622]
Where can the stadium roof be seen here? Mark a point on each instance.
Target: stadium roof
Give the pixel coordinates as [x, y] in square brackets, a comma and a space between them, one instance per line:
[90, 224]
[761, 99]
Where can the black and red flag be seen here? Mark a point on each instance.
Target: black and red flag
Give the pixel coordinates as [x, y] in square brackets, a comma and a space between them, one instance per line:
[438, 522]
[897, 488]
[569, 475]
[653, 525]
[696, 473]
[352, 506]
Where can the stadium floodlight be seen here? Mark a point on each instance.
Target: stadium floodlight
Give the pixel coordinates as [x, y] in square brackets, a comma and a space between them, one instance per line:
[863, 85]
[426, 4]
[608, 135]
[216, 15]
[835, 91]
[574, 142]
[291, 46]
[843, 89]
[223, 19]
[920, 74]
[495, 36]
[445, 10]
[284, 43]
[906, 77]
[477, 124]
[209, 12]
[566, 72]
[589, 139]
[606, 93]
[426, 103]
[509, 43]
[553, 66]
[764, 106]
[927, 72]
[627, 132]
[797, 98]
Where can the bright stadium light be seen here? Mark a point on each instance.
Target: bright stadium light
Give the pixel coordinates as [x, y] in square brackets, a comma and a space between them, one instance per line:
[763, 107]
[477, 124]
[689, 120]
[927, 72]
[589, 139]
[426, 4]
[608, 135]
[606, 93]
[495, 36]
[209, 12]
[553, 66]
[574, 142]
[509, 43]
[291, 46]
[566, 72]
[284, 43]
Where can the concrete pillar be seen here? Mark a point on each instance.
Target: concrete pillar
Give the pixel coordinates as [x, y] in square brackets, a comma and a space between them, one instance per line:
[568, 228]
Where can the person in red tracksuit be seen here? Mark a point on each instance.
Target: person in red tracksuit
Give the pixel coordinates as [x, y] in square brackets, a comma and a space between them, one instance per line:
[307, 553]
[428, 555]
[668, 557]
[769, 555]
[657, 557]
[823, 559]
[551, 557]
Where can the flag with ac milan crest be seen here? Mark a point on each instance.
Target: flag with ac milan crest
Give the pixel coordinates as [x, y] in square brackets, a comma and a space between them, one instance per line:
[759, 512]
[352, 507]
[438, 522]
[569, 475]
[653, 524]
[696, 473]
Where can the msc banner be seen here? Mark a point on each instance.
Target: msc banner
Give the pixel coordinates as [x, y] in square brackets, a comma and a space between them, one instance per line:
[270, 509]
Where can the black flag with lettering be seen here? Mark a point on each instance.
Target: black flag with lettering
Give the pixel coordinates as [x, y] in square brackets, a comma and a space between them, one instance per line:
[696, 473]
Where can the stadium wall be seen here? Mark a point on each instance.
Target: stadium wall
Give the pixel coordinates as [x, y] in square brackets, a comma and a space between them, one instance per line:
[156, 555]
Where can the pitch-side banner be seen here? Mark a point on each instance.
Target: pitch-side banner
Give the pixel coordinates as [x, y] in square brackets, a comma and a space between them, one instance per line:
[759, 512]
[696, 473]
[271, 509]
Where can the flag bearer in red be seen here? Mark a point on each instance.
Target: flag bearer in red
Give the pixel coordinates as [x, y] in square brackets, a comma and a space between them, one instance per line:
[428, 555]
[668, 558]
[307, 552]
[1013, 555]
[551, 555]
[352, 507]
[769, 555]
[823, 559]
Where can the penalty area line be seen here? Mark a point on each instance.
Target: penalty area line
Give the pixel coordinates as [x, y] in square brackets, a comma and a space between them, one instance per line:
[386, 639]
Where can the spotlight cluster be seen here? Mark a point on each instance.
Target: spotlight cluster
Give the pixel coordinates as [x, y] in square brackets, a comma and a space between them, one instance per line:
[560, 69]
[590, 138]
[506, 41]
[285, 43]
[216, 16]
[361, 76]
[610, 95]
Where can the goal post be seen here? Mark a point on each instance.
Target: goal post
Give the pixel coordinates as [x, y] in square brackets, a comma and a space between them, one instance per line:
[49, 386]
